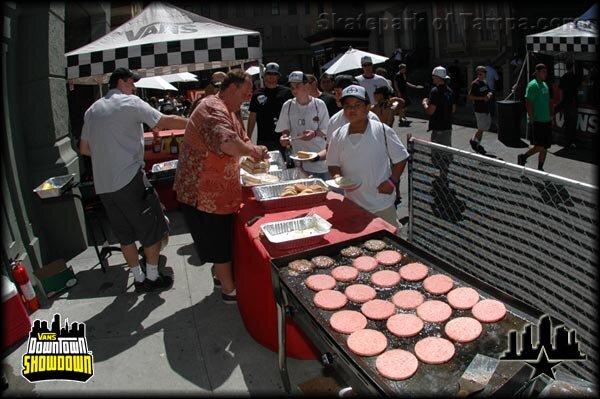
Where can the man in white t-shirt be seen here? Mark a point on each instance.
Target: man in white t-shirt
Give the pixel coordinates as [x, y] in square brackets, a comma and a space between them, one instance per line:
[369, 80]
[303, 123]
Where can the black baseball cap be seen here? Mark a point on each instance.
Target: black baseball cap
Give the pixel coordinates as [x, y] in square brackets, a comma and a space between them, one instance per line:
[122, 73]
[343, 81]
[382, 90]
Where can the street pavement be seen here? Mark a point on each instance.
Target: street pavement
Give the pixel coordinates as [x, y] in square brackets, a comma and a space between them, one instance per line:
[185, 340]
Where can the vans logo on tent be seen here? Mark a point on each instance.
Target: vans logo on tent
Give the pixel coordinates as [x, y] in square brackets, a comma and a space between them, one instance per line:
[158, 27]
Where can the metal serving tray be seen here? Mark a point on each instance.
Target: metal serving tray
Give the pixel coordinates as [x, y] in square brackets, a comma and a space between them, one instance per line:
[269, 195]
[286, 234]
[275, 159]
[165, 168]
[59, 186]
[283, 175]
[429, 380]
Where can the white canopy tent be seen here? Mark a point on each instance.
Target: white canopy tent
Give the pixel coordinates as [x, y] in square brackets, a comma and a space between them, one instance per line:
[351, 60]
[180, 77]
[154, 82]
[163, 39]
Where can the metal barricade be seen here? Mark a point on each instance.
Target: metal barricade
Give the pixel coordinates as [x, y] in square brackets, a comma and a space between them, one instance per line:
[529, 233]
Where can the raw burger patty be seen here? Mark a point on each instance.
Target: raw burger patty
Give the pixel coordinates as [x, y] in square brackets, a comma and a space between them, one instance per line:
[434, 350]
[388, 258]
[463, 329]
[385, 278]
[330, 300]
[438, 284]
[408, 299]
[414, 272]
[374, 245]
[434, 311]
[404, 325]
[365, 263]
[322, 262]
[301, 266]
[367, 342]
[360, 293]
[347, 321]
[378, 309]
[351, 252]
[319, 282]
[344, 273]
[463, 298]
[397, 364]
[489, 311]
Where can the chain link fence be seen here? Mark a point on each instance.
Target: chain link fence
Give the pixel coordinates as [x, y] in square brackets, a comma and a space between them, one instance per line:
[528, 233]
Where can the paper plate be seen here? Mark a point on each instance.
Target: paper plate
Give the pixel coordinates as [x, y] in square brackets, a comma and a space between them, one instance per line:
[313, 155]
[332, 183]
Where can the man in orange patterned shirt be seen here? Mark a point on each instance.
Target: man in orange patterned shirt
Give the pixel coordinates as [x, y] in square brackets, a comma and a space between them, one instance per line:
[208, 174]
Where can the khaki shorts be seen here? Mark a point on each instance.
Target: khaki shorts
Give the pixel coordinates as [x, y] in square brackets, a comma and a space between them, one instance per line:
[484, 120]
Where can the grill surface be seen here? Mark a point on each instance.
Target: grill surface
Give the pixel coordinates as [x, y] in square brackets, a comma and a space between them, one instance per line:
[429, 379]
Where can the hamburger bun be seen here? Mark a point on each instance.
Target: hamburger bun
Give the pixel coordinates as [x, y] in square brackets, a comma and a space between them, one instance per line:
[304, 154]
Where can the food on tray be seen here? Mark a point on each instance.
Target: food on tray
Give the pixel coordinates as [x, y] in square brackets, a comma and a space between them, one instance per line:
[434, 350]
[344, 273]
[408, 299]
[323, 262]
[367, 342]
[259, 178]
[365, 263]
[351, 252]
[378, 309]
[347, 321]
[253, 167]
[345, 182]
[48, 186]
[489, 311]
[374, 245]
[301, 189]
[397, 364]
[385, 278]
[404, 325]
[463, 298]
[330, 300]
[388, 258]
[305, 154]
[301, 266]
[320, 282]
[360, 293]
[414, 272]
[434, 311]
[463, 329]
[438, 284]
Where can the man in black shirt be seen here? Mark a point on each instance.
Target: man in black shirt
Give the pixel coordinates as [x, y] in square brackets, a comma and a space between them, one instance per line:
[480, 94]
[440, 106]
[328, 99]
[568, 84]
[265, 107]
[400, 86]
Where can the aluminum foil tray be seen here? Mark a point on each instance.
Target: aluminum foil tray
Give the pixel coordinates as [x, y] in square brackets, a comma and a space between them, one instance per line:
[54, 186]
[275, 159]
[165, 168]
[296, 233]
[283, 175]
[269, 195]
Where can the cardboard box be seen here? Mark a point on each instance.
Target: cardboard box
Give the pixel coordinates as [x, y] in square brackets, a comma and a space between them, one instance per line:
[55, 277]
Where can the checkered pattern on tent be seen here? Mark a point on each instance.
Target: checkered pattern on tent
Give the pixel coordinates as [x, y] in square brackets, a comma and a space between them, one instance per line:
[557, 44]
[155, 57]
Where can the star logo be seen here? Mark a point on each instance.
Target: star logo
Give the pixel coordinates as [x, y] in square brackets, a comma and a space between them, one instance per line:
[542, 365]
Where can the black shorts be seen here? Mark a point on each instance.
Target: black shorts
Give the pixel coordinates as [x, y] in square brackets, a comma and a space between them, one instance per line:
[542, 134]
[212, 234]
[135, 212]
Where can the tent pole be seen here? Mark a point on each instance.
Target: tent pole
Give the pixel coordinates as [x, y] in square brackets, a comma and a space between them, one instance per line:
[261, 72]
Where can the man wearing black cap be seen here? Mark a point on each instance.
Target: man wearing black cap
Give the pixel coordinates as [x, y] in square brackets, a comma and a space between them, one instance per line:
[265, 107]
[539, 117]
[113, 136]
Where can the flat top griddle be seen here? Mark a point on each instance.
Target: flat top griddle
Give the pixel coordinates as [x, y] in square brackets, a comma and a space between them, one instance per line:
[429, 379]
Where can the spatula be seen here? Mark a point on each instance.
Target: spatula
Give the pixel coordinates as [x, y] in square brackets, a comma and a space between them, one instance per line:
[477, 375]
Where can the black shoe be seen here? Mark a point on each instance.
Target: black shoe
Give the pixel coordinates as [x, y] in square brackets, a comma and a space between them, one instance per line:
[162, 282]
[521, 160]
[541, 168]
[477, 147]
[473, 144]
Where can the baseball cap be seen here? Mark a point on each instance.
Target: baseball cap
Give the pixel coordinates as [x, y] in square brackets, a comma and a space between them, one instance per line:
[122, 73]
[440, 72]
[355, 91]
[540, 66]
[343, 81]
[217, 78]
[272, 67]
[297, 77]
[366, 60]
[480, 68]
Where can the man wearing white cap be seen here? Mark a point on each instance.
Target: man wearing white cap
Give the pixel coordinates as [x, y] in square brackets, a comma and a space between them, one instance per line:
[440, 106]
[304, 120]
[369, 80]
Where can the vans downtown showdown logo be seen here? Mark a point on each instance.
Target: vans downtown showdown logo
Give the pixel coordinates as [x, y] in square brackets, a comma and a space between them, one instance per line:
[57, 353]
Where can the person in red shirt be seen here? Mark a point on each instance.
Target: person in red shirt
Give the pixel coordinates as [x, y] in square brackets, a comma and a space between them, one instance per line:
[207, 182]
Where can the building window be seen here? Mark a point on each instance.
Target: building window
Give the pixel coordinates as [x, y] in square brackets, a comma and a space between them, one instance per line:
[275, 8]
[239, 10]
[306, 7]
[258, 10]
[293, 33]
[223, 10]
[276, 37]
[454, 26]
[205, 9]
[490, 24]
[292, 8]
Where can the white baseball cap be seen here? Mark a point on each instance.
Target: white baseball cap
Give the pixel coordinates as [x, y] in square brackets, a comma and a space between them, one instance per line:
[355, 91]
[366, 60]
[440, 72]
[272, 67]
[297, 77]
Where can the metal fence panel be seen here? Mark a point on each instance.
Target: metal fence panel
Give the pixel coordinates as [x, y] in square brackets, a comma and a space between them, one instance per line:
[528, 233]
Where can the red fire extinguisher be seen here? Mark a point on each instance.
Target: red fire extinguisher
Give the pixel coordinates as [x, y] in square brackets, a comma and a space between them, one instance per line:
[22, 278]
